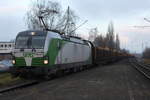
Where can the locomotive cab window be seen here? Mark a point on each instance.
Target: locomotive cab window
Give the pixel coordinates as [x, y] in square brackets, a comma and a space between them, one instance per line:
[30, 41]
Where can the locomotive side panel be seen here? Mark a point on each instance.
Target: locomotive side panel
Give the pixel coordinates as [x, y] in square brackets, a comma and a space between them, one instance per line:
[72, 52]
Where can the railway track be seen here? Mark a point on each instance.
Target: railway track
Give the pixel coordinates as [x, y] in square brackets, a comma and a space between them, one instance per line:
[27, 84]
[141, 67]
[19, 86]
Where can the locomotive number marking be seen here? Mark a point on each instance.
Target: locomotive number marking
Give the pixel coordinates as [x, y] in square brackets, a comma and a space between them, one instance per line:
[28, 55]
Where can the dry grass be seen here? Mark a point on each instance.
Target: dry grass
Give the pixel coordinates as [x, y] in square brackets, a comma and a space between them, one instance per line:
[147, 61]
[6, 79]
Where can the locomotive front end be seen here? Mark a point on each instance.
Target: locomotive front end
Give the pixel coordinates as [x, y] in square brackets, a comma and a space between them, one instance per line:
[29, 52]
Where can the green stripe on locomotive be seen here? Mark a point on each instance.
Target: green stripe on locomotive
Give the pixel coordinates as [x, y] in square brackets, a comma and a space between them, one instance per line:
[54, 50]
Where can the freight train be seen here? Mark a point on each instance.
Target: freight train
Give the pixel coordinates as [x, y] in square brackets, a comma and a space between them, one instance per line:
[46, 53]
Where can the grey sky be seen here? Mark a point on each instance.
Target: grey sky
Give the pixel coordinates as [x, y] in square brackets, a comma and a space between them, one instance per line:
[124, 13]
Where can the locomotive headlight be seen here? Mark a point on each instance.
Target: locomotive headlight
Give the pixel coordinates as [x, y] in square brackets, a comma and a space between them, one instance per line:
[32, 33]
[13, 61]
[45, 61]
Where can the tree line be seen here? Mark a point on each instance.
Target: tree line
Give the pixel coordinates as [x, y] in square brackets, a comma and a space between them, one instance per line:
[110, 41]
[146, 53]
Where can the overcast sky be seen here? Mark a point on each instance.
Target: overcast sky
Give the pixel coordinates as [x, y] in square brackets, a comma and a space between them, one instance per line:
[124, 13]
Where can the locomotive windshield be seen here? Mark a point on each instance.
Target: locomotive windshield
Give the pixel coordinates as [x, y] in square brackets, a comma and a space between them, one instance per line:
[30, 41]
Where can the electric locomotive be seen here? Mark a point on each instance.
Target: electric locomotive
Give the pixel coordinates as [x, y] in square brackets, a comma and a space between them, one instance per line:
[43, 53]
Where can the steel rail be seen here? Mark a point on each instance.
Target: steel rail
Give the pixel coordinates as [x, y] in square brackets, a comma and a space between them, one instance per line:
[23, 85]
[141, 68]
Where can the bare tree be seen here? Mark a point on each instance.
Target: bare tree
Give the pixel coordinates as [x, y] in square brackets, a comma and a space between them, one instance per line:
[110, 36]
[68, 22]
[48, 9]
[105, 41]
[100, 41]
[53, 16]
[146, 53]
[117, 43]
[93, 33]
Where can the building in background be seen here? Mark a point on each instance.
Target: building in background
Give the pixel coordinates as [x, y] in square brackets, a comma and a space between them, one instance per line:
[6, 50]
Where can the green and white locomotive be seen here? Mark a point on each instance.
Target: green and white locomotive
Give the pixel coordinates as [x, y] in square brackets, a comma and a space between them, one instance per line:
[44, 53]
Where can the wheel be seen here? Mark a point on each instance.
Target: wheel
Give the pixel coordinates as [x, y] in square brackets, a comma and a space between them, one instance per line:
[75, 70]
[59, 73]
[48, 77]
